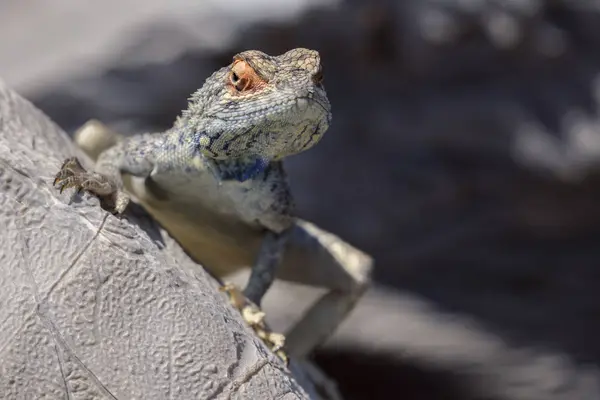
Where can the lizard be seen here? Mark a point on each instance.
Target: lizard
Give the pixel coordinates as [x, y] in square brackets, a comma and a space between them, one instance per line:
[215, 181]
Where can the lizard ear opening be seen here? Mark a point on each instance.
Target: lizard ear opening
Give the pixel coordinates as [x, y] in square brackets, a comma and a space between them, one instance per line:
[243, 77]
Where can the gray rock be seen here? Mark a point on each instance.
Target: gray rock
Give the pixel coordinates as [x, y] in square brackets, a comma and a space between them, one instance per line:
[475, 124]
[93, 306]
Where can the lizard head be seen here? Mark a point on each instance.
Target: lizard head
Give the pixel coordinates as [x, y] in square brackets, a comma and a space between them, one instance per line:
[261, 106]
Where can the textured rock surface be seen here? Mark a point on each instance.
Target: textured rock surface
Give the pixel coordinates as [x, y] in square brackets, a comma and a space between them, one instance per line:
[93, 307]
[476, 128]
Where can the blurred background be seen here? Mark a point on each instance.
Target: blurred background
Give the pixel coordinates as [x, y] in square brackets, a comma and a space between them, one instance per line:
[464, 156]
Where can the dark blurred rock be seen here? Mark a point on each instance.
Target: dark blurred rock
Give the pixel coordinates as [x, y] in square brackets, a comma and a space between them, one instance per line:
[463, 154]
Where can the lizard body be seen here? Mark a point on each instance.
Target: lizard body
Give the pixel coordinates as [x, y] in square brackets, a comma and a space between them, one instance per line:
[216, 182]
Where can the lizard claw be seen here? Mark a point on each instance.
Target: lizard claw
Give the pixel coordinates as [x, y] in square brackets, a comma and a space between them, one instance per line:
[256, 319]
[69, 168]
[276, 341]
[70, 174]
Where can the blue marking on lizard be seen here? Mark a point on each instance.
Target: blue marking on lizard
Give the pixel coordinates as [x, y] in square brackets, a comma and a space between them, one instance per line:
[245, 171]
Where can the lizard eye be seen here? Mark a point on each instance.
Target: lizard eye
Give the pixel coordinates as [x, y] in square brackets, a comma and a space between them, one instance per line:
[242, 77]
[236, 81]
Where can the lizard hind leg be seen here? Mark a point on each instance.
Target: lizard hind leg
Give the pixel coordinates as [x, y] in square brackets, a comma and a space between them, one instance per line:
[318, 258]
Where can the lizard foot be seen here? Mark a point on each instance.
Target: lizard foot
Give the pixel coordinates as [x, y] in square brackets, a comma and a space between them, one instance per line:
[256, 319]
[73, 175]
[275, 341]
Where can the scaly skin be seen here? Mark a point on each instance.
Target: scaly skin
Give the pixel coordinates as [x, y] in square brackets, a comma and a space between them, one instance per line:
[216, 182]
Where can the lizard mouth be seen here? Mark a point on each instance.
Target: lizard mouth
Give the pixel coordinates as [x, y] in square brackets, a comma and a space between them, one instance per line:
[300, 106]
[309, 100]
[307, 110]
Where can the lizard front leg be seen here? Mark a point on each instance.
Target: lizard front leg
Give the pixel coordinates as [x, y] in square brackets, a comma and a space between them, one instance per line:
[277, 222]
[265, 267]
[261, 278]
[106, 181]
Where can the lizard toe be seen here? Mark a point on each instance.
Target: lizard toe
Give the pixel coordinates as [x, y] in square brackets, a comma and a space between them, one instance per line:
[255, 318]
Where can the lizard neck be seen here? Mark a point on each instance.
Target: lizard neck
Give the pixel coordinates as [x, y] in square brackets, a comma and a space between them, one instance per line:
[242, 169]
[231, 168]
